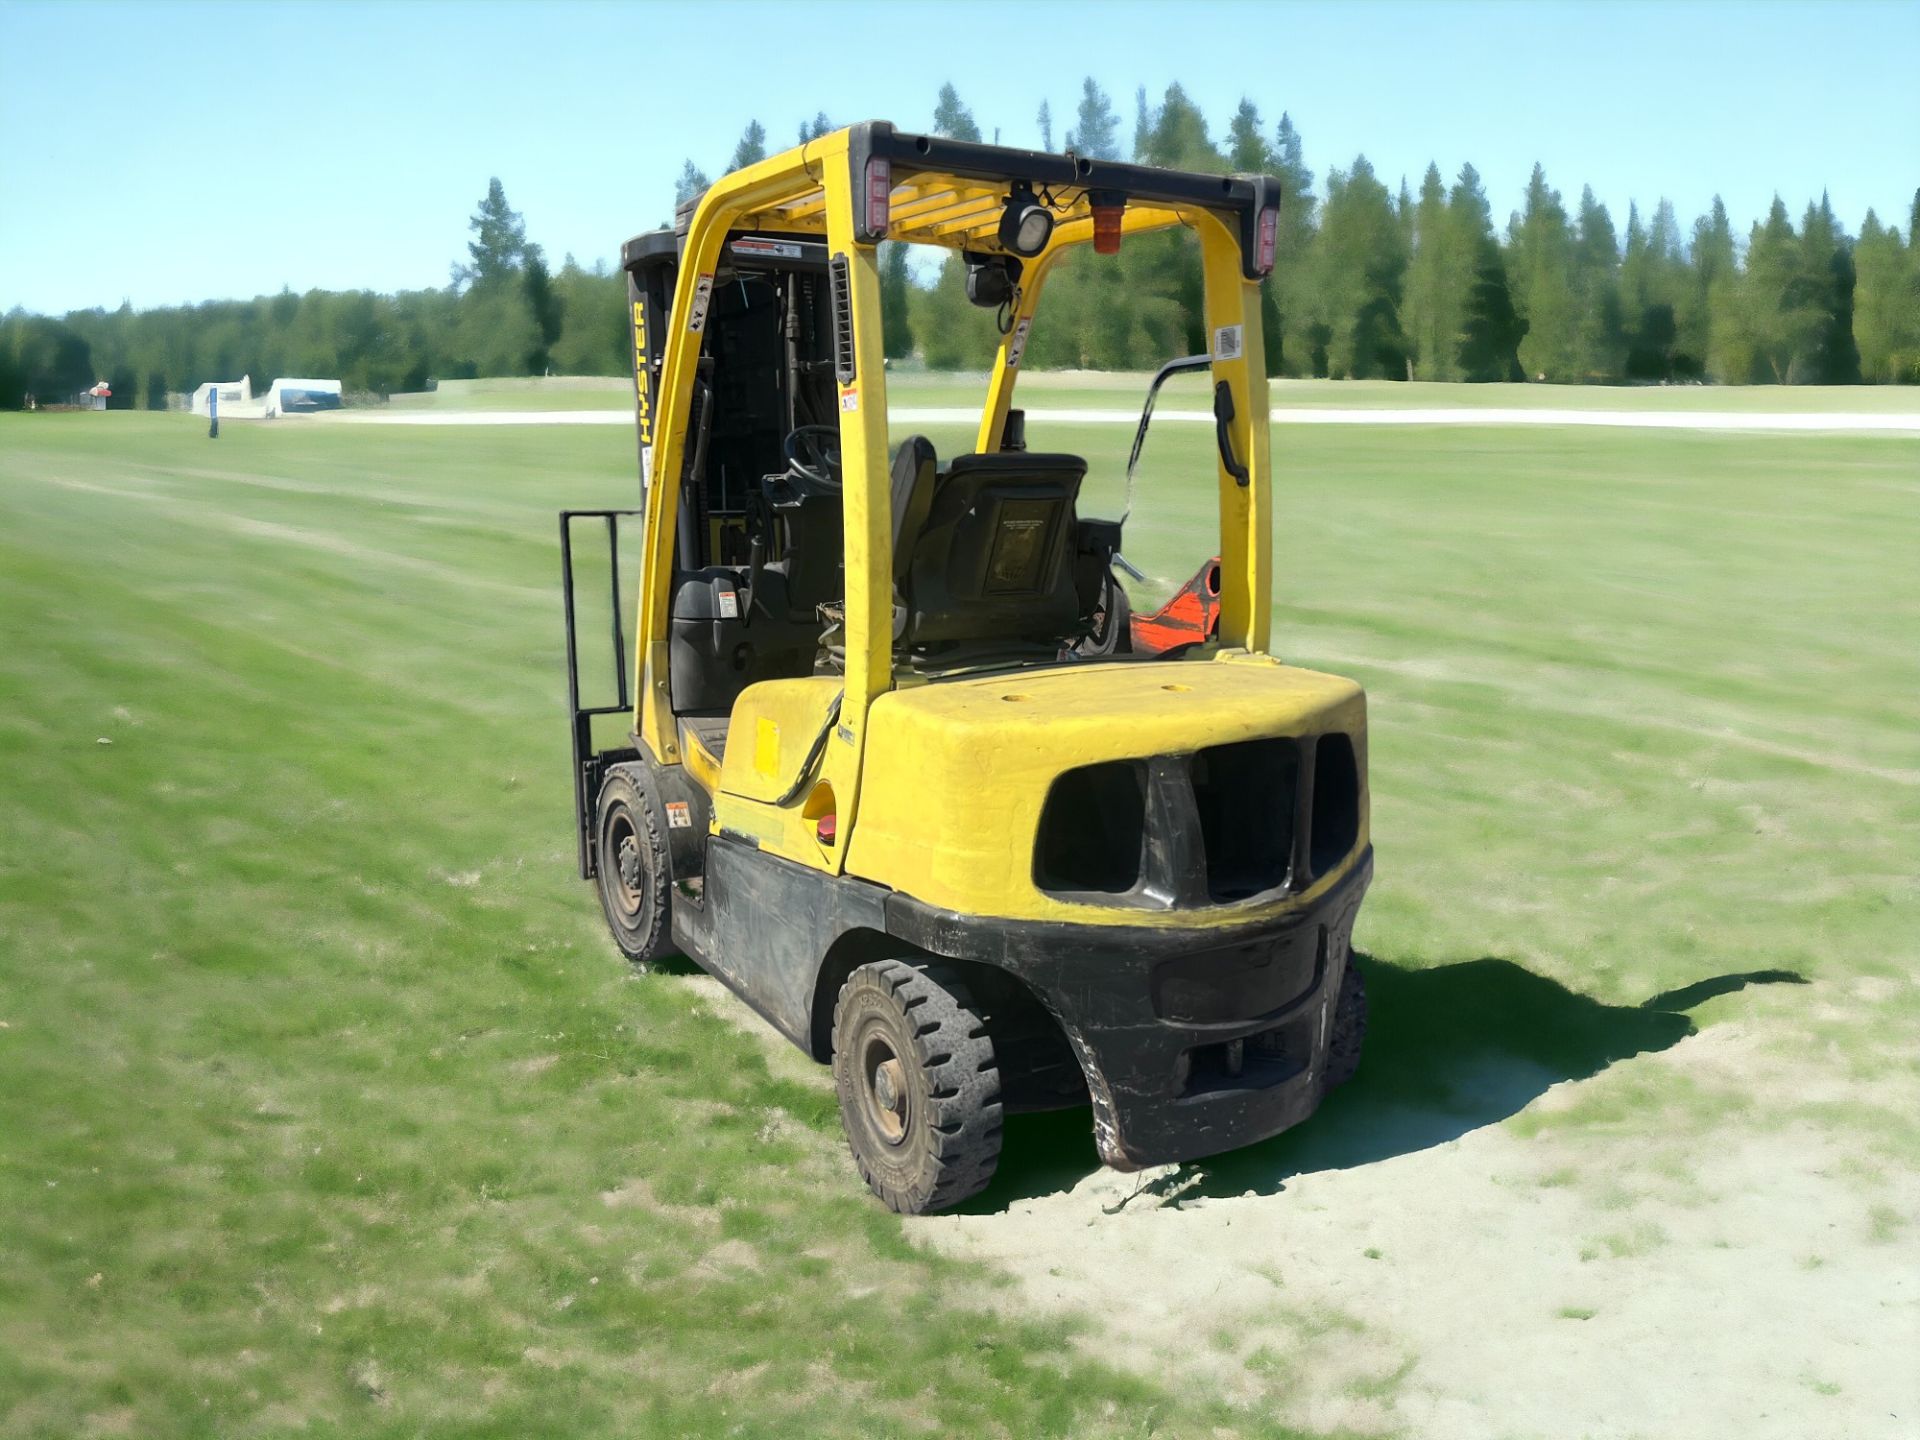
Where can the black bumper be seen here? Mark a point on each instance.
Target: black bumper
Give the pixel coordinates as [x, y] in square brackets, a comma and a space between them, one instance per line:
[1154, 1014]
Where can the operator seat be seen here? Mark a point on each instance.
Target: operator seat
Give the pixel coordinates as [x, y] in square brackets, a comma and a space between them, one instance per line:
[915, 467]
[988, 560]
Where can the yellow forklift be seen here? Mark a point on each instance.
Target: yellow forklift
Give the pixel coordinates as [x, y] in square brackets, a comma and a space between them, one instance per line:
[903, 772]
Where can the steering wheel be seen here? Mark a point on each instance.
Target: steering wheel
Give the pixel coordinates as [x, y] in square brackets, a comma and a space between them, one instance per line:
[813, 455]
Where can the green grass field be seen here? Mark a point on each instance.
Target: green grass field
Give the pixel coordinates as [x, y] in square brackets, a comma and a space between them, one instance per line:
[326, 1105]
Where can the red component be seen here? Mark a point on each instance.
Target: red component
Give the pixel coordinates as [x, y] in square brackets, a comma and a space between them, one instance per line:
[826, 829]
[879, 194]
[1268, 240]
[1106, 228]
[1192, 615]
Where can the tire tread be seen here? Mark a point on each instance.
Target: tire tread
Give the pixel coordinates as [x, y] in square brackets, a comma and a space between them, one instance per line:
[955, 1052]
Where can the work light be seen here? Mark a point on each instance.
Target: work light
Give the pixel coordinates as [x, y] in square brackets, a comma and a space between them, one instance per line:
[1025, 224]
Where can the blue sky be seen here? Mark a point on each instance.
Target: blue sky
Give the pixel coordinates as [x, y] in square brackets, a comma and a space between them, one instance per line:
[169, 152]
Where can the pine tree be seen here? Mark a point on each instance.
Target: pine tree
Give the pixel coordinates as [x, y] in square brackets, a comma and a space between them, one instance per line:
[499, 243]
[1045, 118]
[1827, 278]
[1177, 139]
[1599, 334]
[1096, 129]
[1710, 271]
[1780, 314]
[1432, 332]
[1773, 313]
[1247, 152]
[496, 333]
[1361, 272]
[544, 305]
[1654, 333]
[1490, 339]
[752, 148]
[1647, 316]
[952, 119]
[813, 129]
[593, 329]
[1886, 309]
[1292, 283]
[1142, 124]
[691, 182]
[896, 294]
[1540, 254]
[1486, 326]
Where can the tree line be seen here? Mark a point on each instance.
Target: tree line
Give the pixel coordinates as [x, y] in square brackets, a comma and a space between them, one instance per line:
[1370, 282]
[503, 312]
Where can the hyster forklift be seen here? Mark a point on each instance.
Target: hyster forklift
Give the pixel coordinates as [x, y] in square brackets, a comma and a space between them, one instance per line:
[903, 772]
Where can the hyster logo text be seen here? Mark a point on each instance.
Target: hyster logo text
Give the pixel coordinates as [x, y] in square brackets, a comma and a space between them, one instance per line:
[645, 403]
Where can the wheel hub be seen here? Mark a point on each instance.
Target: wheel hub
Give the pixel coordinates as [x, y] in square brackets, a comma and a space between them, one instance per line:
[887, 1096]
[629, 858]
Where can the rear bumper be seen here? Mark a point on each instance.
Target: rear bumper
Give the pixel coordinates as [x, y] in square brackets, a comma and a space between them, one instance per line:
[1193, 1040]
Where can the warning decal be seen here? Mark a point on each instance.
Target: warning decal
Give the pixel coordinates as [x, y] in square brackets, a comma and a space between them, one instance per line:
[783, 249]
[702, 298]
[678, 816]
[1017, 346]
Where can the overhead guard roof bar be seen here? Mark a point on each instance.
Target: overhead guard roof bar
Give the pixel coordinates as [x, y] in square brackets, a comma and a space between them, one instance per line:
[934, 203]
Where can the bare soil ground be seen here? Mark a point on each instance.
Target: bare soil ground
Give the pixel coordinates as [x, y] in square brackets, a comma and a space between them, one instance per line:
[1473, 1287]
[1420, 1274]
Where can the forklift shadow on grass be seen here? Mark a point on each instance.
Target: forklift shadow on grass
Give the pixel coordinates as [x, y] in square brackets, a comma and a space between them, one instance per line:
[1450, 1049]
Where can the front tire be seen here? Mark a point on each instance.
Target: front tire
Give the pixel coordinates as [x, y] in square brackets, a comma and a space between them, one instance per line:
[632, 869]
[919, 1085]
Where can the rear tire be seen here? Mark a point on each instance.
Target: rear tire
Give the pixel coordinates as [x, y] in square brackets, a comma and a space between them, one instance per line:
[1349, 1029]
[919, 1085]
[634, 875]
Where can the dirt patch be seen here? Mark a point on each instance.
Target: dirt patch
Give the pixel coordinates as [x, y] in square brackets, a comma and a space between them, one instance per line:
[1494, 1284]
[637, 1194]
[731, 1255]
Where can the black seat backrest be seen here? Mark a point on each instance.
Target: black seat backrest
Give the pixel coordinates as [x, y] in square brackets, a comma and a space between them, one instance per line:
[992, 561]
[914, 464]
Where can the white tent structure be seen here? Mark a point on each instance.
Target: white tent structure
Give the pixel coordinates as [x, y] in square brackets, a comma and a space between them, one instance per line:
[236, 398]
[283, 397]
[299, 397]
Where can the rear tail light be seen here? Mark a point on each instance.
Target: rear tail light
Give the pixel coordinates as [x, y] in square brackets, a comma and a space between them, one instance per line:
[1267, 240]
[879, 195]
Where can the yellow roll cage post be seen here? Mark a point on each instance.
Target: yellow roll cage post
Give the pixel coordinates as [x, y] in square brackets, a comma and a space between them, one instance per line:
[950, 194]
